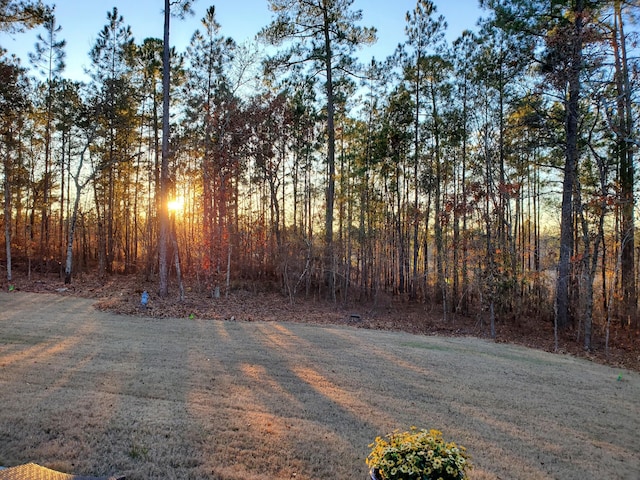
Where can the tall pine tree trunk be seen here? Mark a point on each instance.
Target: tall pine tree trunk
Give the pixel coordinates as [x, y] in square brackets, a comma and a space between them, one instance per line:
[562, 311]
[163, 211]
[331, 163]
[624, 151]
[7, 212]
[72, 230]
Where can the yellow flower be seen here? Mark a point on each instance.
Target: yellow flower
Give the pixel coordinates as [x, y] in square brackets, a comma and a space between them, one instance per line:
[416, 453]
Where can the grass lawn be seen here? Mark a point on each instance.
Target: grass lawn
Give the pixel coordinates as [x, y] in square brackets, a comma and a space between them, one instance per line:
[89, 392]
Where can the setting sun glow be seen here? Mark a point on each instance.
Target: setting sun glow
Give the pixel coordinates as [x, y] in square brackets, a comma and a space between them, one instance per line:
[176, 205]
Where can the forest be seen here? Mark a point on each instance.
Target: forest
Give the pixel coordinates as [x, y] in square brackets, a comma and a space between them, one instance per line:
[493, 175]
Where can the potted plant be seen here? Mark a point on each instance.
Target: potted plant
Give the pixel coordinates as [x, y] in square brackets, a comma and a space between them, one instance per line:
[417, 455]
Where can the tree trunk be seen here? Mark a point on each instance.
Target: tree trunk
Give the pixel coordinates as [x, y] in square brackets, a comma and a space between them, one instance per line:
[331, 163]
[625, 158]
[102, 244]
[163, 211]
[437, 211]
[72, 231]
[416, 160]
[7, 213]
[176, 259]
[62, 197]
[562, 313]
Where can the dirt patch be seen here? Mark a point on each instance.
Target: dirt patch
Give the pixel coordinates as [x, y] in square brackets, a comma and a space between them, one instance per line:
[91, 392]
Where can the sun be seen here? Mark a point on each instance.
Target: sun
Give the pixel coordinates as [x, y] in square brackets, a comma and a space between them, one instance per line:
[176, 205]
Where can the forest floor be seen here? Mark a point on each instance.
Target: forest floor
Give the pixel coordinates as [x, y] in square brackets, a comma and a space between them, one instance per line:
[122, 294]
[92, 392]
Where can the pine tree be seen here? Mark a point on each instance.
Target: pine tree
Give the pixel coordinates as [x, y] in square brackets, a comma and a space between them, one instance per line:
[210, 106]
[13, 105]
[561, 29]
[181, 8]
[18, 15]
[111, 73]
[49, 57]
[323, 34]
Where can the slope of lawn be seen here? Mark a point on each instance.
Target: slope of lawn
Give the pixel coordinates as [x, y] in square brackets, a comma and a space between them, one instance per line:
[89, 392]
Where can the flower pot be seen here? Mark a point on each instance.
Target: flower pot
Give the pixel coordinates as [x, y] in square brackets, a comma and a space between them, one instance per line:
[372, 475]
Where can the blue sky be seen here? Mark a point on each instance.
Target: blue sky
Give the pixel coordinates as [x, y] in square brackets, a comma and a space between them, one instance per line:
[240, 19]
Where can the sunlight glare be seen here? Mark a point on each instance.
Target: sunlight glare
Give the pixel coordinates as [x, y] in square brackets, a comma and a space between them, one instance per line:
[176, 205]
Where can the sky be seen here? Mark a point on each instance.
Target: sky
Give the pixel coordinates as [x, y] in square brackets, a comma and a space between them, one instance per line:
[81, 21]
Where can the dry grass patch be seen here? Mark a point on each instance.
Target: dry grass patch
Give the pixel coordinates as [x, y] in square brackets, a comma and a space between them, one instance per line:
[89, 392]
